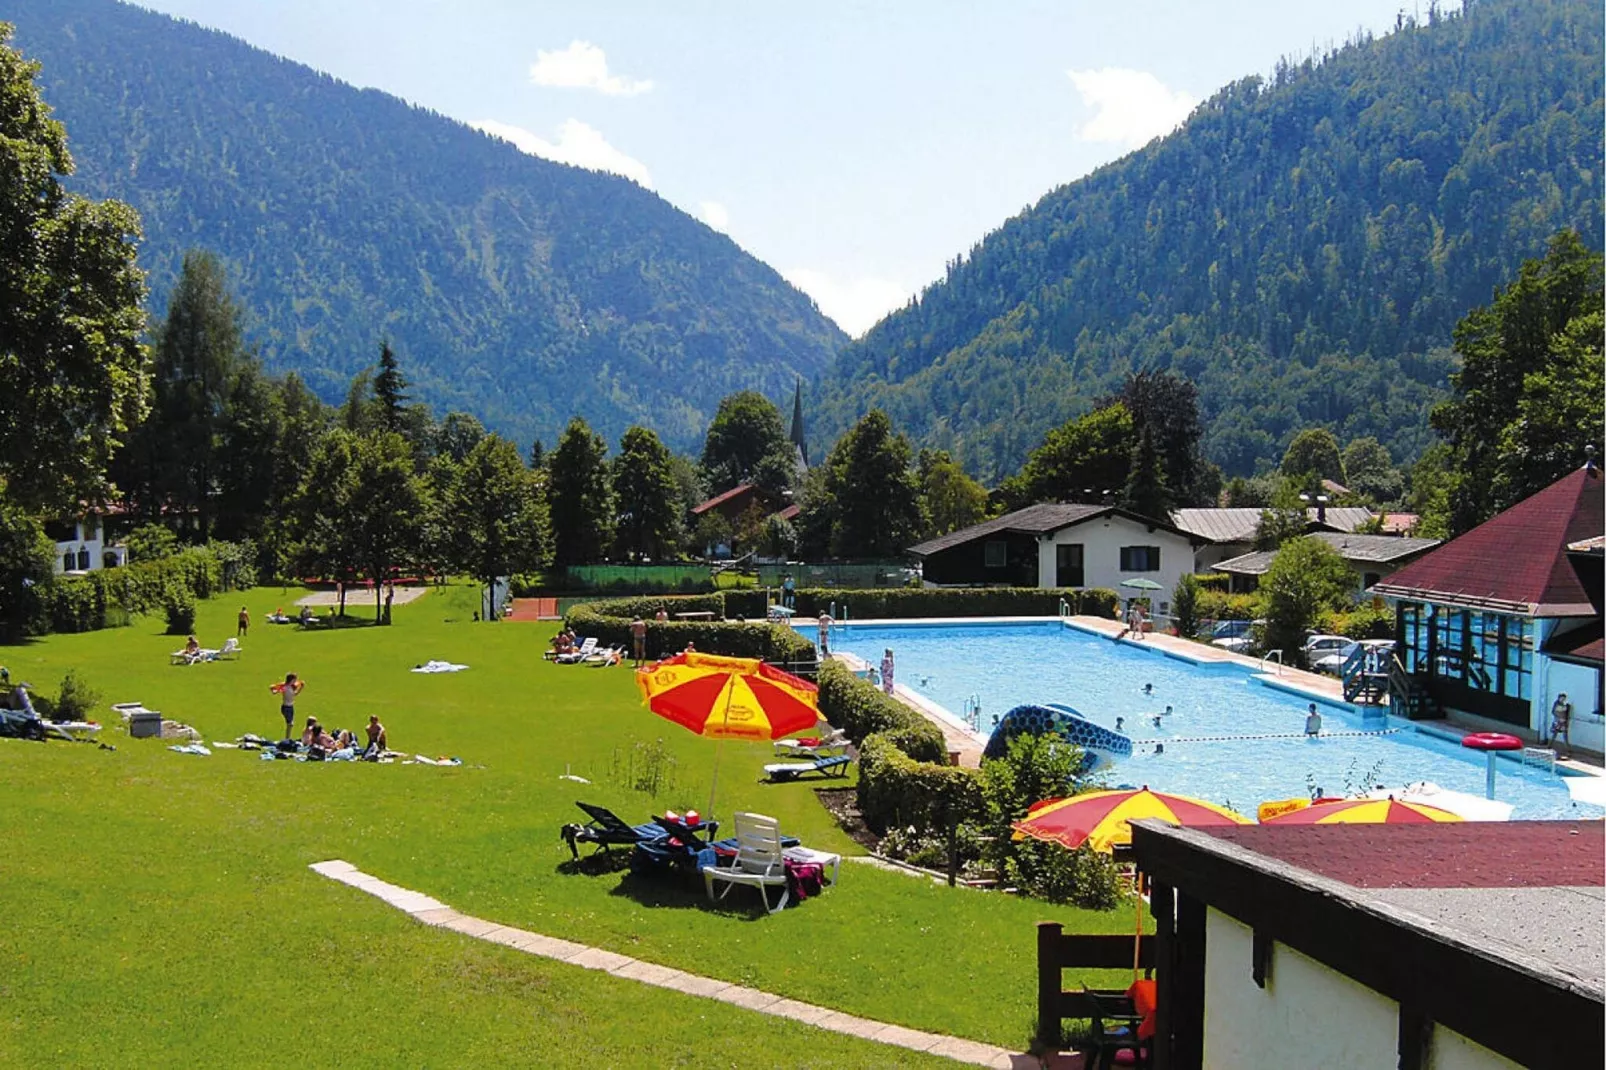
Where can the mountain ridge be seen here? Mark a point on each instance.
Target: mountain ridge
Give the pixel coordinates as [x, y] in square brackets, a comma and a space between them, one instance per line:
[517, 288]
[1300, 247]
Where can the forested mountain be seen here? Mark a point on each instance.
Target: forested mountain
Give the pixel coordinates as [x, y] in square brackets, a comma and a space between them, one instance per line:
[518, 289]
[1301, 248]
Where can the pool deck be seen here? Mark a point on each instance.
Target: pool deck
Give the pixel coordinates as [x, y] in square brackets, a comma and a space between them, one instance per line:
[958, 740]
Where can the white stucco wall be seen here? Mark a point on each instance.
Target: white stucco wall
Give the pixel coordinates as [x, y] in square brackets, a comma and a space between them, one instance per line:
[90, 536]
[1101, 541]
[1582, 686]
[1452, 1051]
[1308, 1017]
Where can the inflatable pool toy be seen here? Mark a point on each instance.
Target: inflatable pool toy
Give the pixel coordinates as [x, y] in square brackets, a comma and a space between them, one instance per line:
[1100, 745]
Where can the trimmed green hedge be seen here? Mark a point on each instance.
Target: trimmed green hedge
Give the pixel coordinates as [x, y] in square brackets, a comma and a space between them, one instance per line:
[895, 791]
[109, 596]
[900, 602]
[902, 776]
[609, 621]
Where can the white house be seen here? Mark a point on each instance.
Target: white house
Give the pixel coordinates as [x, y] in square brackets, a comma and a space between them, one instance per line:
[81, 545]
[1461, 946]
[1054, 545]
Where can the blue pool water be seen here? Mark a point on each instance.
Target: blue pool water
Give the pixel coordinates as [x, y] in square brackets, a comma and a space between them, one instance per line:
[1008, 665]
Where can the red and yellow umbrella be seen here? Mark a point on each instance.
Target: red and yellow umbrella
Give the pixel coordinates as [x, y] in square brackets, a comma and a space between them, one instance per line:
[1102, 819]
[729, 698]
[1364, 812]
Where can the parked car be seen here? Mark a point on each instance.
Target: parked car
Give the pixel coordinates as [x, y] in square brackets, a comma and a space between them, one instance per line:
[1327, 653]
[1234, 635]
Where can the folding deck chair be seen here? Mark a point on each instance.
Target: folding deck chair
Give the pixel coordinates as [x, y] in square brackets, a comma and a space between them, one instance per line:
[606, 829]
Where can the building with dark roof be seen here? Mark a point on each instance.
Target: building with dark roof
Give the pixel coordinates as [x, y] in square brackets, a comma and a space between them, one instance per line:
[1496, 624]
[1370, 557]
[1470, 945]
[1058, 545]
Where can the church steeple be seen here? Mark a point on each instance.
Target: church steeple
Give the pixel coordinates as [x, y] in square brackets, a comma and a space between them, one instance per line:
[797, 436]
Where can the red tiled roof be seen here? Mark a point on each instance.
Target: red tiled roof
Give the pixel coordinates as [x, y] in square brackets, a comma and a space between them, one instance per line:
[1399, 523]
[790, 512]
[721, 499]
[1470, 854]
[1516, 561]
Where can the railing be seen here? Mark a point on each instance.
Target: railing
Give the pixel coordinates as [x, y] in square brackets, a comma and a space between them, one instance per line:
[972, 713]
[1407, 696]
[1065, 608]
[1056, 951]
[1268, 655]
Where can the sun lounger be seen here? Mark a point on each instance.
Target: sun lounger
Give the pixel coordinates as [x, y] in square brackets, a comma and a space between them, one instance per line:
[830, 863]
[833, 742]
[574, 657]
[230, 651]
[834, 766]
[606, 829]
[76, 731]
[759, 861]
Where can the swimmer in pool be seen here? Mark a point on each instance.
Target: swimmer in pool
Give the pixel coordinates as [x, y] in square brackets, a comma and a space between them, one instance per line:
[1148, 689]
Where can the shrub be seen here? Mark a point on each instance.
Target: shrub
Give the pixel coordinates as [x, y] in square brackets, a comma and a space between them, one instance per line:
[609, 622]
[107, 596]
[900, 602]
[77, 699]
[895, 790]
[861, 709]
[1219, 605]
[1306, 579]
[1048, 871]
[1362, 622]
[151, 542]
[179, 605]
[1185, 605]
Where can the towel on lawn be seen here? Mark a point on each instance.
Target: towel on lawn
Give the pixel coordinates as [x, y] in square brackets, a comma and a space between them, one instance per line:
[438, 666]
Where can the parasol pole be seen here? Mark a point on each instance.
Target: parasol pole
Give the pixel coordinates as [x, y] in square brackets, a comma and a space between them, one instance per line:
[1137, 919]
[719, 742]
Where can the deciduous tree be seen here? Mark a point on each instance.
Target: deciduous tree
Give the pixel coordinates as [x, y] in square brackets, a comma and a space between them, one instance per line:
[953, 500]
[1314, 450]
[877, 498]
[647, 497]
[745, 439]
[496, 515]
[73, 369]
[1306, 578]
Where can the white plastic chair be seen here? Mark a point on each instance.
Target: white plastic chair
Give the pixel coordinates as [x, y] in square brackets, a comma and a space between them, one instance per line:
[759, 862]
[231, 649]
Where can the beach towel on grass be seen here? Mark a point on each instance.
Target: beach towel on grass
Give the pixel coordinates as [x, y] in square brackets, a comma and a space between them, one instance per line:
[438, 666]
[804, 879]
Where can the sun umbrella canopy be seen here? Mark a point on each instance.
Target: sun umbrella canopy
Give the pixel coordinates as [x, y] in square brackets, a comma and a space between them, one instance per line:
[1102, 819]
[729, 698]
[1142, 584]
[1365, 812]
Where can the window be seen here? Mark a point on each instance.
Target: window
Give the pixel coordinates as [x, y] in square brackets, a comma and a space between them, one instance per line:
[1368, 579]
[1140, 559]
[69, 561]
[1068, 565]
[995, 553]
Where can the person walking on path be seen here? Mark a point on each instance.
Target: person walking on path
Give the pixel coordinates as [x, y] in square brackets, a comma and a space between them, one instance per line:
[789, 592]
[287, 693]
[244, 624]
[825, 633]
[886, 671]
[638, 639]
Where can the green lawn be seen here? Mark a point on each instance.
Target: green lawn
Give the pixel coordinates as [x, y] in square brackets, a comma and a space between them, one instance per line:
[158, 905]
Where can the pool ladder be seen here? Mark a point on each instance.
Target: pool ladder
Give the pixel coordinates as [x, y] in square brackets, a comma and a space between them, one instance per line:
[1267, 656]
[972, 713]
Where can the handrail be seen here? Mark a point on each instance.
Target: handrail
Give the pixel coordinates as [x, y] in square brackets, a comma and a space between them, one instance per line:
[1065, 608]
[1267, 657]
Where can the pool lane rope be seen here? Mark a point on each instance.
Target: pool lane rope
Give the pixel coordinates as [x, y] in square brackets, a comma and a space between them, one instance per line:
[1266, 735]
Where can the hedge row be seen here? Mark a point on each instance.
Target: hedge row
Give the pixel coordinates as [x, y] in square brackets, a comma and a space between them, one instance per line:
[109, 596]
[902, 778]
[899, 602]
[609, 623]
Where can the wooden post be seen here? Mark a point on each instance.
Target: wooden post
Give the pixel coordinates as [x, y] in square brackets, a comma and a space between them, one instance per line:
[1048, 984]
[1188, 1015]
[1161, 904]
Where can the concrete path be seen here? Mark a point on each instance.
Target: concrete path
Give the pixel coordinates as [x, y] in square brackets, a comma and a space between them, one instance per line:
[433, 912]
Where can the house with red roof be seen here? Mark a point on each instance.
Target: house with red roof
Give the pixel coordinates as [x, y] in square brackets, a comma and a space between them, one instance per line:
[732, 505]
[1494, 625]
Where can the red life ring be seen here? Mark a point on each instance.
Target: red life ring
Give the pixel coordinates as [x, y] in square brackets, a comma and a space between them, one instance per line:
[1491, 741]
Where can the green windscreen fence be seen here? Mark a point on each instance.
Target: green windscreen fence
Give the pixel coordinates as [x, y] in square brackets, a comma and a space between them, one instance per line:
[689, 578]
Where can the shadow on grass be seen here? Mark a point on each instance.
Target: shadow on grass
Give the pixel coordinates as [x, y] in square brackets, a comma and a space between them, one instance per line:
[596, 864]
[676, 891]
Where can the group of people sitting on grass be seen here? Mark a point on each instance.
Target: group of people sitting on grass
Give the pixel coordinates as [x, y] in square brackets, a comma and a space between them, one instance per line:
[567, 650]
[339, 744]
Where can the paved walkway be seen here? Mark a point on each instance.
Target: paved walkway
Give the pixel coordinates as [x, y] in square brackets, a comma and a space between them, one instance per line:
[958, 740]
[433, 912]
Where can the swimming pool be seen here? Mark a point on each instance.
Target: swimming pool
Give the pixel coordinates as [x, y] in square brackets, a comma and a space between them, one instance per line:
[1006, 665]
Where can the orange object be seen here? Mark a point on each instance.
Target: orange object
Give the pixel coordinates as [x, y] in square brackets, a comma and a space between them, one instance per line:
[1145, 998]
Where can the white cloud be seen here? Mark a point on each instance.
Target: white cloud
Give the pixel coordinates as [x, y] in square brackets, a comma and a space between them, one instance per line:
[715, 215]
[577, 144]
[583, 66]
[856, 304]
[1129, 107]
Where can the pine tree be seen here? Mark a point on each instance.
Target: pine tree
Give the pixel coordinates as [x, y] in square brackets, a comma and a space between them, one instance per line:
[390, 388]
[799, 439]
[1145, 492]
[579, 496]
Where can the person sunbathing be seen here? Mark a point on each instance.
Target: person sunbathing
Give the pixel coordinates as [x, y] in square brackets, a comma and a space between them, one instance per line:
[377, 741]
[309, 734]
[192, 649]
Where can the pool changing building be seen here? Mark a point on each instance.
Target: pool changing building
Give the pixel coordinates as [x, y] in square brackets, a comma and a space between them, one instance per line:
[1496, 623]
[1462, 946]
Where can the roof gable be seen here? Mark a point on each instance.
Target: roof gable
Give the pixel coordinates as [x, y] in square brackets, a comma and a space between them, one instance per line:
[1516, 560]
[1239, 524]
[1045, 518]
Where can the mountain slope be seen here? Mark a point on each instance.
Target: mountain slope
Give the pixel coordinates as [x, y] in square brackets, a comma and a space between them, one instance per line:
[1301, 249]
[518, 289]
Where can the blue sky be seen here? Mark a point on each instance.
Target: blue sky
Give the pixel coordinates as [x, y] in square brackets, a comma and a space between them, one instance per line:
[857, 147]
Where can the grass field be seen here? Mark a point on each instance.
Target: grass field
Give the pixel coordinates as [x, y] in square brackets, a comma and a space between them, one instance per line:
[158, 908]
